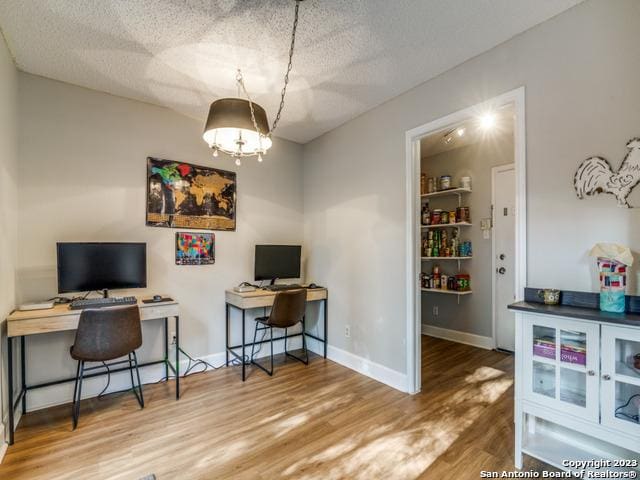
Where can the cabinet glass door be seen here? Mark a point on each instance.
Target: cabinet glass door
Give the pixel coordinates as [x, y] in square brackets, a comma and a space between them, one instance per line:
[561, 361]
[573, 363]
[621, 378]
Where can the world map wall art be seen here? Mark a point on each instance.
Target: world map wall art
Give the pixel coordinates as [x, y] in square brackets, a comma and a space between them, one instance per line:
[195, 248]
[182, 195]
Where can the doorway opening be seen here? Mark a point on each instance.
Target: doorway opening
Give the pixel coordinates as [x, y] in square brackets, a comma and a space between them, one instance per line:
[466, 227]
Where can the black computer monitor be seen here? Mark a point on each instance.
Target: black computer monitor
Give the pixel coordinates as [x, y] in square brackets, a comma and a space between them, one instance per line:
[101, 266]
[277, 261]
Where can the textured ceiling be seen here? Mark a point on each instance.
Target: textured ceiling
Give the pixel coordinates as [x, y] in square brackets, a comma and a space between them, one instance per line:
[351, 54]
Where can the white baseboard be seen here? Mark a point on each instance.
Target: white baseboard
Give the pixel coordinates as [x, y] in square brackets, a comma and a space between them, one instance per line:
[4, 425]
[60, 394]
[368, 368]
[3, 443]
[457, 336]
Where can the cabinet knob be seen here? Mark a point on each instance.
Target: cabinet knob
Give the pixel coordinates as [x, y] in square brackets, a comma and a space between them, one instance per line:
[606, 376]
[591, 373]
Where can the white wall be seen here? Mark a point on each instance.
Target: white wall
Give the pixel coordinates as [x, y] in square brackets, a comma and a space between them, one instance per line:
[82, 177]
[473, 314]
[580, 71]
[8, 209]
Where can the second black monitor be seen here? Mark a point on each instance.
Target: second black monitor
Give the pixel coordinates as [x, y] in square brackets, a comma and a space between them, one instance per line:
[277, 261]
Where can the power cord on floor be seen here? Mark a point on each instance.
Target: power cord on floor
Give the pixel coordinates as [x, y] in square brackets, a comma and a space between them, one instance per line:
[193, 363]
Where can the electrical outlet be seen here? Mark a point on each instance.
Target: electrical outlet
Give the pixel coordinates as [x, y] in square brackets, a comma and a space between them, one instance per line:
[435, 310]
[347, 331]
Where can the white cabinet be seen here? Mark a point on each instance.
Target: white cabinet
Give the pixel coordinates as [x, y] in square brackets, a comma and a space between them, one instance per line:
[620, 384]
[577, 390]
[561, 365]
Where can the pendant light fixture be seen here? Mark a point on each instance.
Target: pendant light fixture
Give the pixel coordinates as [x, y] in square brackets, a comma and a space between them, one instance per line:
[238, 126]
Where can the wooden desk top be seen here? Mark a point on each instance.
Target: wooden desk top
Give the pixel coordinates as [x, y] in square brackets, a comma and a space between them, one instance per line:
[61, 317]
[264, 298]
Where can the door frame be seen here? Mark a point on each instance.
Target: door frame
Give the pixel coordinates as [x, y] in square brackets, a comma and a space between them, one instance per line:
[413, 310]
[494, 171]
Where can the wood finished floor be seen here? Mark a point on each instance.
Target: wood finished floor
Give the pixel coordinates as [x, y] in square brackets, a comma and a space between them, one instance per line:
[318, 422]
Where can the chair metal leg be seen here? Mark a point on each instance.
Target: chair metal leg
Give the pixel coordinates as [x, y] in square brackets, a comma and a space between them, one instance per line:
[271, 342]
[76, 399]
[304, 344]
[253, 344]
[75, 394]
[137, 392]
[304, 360]
[254, 362]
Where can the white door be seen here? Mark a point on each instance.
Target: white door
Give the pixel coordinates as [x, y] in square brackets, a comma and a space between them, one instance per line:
[504, 249]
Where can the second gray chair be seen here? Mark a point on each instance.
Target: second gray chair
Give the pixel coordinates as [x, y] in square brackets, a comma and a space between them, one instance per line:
[287, 311]
[104, 335]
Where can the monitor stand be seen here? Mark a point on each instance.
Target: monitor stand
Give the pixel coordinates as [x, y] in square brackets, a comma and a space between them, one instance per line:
[105, 293]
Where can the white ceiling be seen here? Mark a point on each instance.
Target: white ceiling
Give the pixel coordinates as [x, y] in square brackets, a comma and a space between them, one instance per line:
[351, 54]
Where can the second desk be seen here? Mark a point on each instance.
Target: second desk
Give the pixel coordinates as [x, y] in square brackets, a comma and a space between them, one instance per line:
[260, 298]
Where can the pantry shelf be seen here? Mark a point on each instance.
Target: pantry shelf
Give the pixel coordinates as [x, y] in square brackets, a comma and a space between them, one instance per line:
[442, 193]
[447, 225]
[448, 292]
[446, 258]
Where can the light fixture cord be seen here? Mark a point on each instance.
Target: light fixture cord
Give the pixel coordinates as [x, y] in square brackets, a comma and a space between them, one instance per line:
[289, 67]
[241, 85]
[240, 82]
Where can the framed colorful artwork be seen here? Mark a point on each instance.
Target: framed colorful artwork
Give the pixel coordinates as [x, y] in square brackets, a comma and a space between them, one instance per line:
[182, 195]
[195, 248]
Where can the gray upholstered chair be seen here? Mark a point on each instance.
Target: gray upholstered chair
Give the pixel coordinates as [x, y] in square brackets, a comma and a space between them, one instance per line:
[287, 311]
[104, 335]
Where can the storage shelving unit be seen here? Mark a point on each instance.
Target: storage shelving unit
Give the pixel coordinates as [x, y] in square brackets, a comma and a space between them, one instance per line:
[457, 192]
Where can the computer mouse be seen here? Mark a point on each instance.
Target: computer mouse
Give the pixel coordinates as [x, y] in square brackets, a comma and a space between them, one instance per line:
[312, 285]
[157, 298]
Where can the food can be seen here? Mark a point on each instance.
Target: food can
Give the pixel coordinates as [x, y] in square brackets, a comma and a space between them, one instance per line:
[443, 281]
[444, 217]
[461, 215]
[445, 182]
[452, 216]
[435, 216]
[465, 182]
[463, 282]
[431, 185]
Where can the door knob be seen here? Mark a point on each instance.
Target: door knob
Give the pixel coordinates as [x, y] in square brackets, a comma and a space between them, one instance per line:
[502, 256]
[591, 373]
[606, 376]
[501, 270]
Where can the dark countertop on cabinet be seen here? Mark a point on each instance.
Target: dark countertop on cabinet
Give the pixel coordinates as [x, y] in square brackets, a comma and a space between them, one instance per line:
[629, 319]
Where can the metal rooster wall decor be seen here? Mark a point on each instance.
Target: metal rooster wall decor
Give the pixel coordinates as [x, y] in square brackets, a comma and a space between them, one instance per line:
[595, 175]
